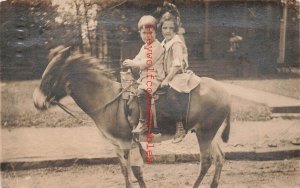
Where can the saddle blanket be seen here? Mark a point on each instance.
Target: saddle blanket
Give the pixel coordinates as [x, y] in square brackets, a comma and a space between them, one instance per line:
[185, 82]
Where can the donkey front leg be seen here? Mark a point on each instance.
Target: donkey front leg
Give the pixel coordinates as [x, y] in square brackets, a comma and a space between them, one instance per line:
[124, 158]
[138, 173]
[137, 164]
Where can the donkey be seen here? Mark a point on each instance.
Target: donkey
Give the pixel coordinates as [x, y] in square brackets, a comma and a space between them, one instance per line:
[94, 90]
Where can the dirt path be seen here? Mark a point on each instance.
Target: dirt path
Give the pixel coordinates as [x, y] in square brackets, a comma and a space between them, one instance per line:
[236, 174]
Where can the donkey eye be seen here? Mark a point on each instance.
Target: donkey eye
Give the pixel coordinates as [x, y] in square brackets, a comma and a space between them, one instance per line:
[55, 84]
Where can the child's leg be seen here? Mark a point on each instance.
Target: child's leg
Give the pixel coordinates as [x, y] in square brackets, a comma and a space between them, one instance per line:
[177, 107]
[143, 100]
[141, 94]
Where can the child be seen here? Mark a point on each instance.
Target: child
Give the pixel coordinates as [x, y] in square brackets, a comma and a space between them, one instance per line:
[175, 62]
[150, 62]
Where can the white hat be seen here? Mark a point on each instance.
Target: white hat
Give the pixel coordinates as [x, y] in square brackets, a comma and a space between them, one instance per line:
[147, 21]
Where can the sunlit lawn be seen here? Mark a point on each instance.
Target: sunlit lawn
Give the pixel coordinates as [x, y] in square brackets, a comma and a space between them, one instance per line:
[17, 109]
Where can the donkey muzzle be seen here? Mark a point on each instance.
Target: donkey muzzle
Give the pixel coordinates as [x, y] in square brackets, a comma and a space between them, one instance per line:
[40, 100]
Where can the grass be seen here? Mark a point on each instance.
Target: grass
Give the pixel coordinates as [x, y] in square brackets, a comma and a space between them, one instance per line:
[244, 110]
[17, 109]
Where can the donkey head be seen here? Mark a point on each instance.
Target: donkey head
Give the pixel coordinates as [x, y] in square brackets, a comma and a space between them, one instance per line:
[53, 82]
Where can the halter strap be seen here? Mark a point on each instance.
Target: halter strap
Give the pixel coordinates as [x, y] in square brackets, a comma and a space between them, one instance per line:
[68, 111]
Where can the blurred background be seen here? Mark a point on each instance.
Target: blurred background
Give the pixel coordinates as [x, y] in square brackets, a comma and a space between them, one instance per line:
[224, 38]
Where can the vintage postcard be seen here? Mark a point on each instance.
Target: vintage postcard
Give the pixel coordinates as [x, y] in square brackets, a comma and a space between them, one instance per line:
[141, 93]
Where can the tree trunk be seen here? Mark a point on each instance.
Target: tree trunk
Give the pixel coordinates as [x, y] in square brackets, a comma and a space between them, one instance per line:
[87, 26]
[98, 35]
[78, 28]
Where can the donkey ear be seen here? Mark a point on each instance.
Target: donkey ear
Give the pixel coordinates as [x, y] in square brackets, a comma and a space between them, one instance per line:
[56, 57]
[59, 49]
[68, 87]
[54, 51]
[65, 49]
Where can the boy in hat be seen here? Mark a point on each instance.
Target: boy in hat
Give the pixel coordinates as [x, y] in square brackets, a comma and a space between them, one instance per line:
[150, 62]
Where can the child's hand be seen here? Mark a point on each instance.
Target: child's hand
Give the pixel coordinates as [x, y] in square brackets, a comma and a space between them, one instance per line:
[164, 83]
[128, 63]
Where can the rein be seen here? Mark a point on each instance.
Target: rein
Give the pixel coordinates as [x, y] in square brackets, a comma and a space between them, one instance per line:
[68, 111]
[64, 108]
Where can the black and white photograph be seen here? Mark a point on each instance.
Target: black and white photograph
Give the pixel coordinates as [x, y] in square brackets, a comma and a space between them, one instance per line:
[141, 93]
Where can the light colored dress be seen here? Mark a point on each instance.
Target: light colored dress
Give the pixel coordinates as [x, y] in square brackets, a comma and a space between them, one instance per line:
[176, 55]
[150, 72]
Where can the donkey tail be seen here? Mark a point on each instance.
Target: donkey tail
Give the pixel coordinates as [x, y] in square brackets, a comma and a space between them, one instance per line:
[226, 131]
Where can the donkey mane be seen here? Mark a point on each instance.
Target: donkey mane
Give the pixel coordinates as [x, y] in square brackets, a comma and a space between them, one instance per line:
[85, 64]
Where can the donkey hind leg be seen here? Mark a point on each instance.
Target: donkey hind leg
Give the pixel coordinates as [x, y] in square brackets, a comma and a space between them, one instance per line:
[137, 164]
[204, 142]
[124, 158]
[219, 158]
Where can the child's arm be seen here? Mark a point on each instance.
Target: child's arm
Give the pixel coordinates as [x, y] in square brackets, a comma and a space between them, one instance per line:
[152, 55]
[147, 57]
[176, 64]
[133, 62]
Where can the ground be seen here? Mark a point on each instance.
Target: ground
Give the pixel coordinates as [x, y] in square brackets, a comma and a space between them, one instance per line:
[17, 110]
[235, 174]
